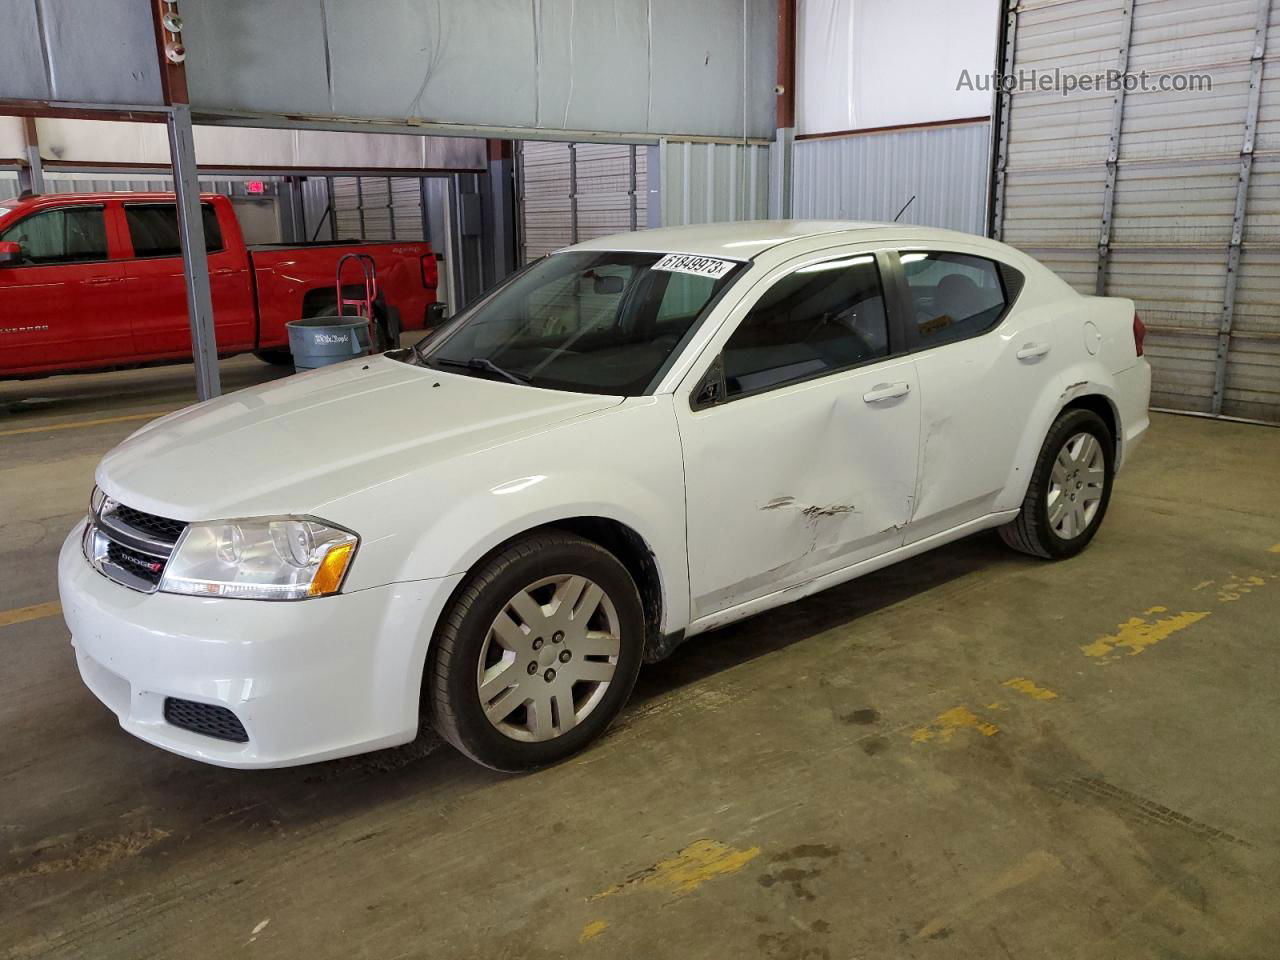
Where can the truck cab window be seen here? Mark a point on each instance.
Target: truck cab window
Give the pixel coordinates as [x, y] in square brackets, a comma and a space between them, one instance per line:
[822, 318]
[65, 235]
[153, 228]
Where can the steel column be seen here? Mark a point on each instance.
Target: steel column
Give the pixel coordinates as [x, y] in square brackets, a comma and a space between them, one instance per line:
[1242, 204]
[31, 177]
[502, 209]
[1113, 153]
[1002, 107]
[631, 188]
[573, 193]
[195, 261]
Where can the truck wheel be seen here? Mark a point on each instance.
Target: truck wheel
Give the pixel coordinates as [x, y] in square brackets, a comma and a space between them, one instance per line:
[537, 653]
[277, 358]
[1069, 491]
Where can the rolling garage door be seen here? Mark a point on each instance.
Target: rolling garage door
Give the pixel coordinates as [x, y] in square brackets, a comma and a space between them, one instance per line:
[571, 192]
[1167, 193]
[378, 208]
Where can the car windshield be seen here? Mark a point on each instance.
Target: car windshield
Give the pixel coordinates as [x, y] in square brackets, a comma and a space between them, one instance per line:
[584, 321]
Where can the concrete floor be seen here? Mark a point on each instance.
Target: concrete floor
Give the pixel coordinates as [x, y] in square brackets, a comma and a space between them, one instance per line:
[972, 754]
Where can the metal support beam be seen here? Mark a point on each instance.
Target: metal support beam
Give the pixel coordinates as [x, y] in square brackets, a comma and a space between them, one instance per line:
[782, 151]
[195, 261]
[1113, 152]
[633, 213]
[502, 209]
[1242, 205]
[31, 177]
[391, 209]
[1002, 107]
[573, 193]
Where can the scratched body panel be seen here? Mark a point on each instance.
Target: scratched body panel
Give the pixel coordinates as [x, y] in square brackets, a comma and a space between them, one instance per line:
[796, 483]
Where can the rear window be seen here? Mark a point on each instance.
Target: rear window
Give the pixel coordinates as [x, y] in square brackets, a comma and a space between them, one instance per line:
[153, 228]
[954, 296]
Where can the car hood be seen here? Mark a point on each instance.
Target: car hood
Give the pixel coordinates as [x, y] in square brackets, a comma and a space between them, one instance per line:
[293, 445]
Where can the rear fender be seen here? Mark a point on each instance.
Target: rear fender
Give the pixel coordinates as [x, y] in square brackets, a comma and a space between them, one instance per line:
[1089, 378]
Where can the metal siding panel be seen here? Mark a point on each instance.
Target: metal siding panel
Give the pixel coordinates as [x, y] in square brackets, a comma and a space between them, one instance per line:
[102, 53]
[871, 177]
[697, 179]
[1176, 187]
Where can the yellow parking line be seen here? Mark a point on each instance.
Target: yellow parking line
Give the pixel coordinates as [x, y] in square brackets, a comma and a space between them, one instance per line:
[85, 423]
[23, 614]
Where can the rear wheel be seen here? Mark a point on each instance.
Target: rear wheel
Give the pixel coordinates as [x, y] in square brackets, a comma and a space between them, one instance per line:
[537, 654]
[1069, 491]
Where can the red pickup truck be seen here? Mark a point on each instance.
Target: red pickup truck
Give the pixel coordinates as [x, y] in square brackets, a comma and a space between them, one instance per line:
[89, 281]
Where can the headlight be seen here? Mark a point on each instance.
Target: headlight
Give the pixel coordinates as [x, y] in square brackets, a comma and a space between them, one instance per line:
[271, 558]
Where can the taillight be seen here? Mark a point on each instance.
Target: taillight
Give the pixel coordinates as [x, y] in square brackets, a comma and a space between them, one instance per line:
[430, 276]
[1139, 333]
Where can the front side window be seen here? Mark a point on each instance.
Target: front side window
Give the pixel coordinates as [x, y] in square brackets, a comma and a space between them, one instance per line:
[953, 296]
[64, 235]
[585, 321]
[153, 228]
[822, 318]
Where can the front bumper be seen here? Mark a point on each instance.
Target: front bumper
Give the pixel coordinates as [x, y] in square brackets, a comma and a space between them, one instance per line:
[308, 680]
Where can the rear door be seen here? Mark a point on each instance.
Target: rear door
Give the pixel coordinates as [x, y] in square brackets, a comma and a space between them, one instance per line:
[62, 304]
[981, 365]
[157, 289]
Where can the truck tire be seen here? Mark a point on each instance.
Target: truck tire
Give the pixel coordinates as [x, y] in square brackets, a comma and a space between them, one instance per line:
[537, 652]
[277, 358]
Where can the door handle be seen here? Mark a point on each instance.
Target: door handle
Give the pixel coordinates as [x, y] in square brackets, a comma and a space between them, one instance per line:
[1033, 351]
[886, 391]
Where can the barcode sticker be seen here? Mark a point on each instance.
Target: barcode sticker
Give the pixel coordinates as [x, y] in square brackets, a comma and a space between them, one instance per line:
[698, 266]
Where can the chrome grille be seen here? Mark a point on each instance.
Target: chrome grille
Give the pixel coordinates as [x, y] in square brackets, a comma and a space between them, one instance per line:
[130, 546]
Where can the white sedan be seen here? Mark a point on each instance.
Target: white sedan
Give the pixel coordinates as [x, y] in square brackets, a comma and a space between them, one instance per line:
[630, 442]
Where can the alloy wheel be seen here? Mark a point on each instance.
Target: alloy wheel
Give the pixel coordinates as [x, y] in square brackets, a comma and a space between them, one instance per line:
[548, 658]
[1076, 485]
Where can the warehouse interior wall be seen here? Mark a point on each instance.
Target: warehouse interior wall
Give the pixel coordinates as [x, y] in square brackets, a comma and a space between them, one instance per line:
[890, 117]
[864, 64]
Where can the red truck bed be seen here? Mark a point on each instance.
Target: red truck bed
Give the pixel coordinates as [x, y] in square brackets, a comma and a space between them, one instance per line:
[96, 282]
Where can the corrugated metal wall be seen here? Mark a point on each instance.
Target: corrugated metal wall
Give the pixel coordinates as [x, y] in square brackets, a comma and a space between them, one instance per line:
[378, 208]
[704, 182]
[872, 176]
[573, 192]
[1165, 197]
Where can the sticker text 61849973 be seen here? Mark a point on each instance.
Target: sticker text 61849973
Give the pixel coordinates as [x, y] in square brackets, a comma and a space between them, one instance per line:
[698, 266]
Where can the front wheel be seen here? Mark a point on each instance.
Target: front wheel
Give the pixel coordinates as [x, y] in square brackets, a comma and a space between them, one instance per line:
[1069, 491]
[537, 653]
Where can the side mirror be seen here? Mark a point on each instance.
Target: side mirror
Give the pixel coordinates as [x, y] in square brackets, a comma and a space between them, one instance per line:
[436, 315]
[10, 252]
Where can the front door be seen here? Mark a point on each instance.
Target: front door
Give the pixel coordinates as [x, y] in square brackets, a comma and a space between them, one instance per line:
[62, 304]
[804, 461]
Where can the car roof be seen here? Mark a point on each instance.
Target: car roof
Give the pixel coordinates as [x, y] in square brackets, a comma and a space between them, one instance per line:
[745, 240]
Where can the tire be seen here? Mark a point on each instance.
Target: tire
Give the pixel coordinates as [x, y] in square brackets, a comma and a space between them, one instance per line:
[507, 694]
[277, 358]
[1051, 524]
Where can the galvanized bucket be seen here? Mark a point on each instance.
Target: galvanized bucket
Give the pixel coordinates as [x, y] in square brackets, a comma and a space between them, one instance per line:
[320, 341]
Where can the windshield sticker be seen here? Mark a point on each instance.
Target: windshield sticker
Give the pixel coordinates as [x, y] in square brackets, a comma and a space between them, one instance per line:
[698, 266]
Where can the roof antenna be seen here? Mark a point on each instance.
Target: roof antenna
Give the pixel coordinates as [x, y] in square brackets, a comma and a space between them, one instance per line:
[904, 208]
